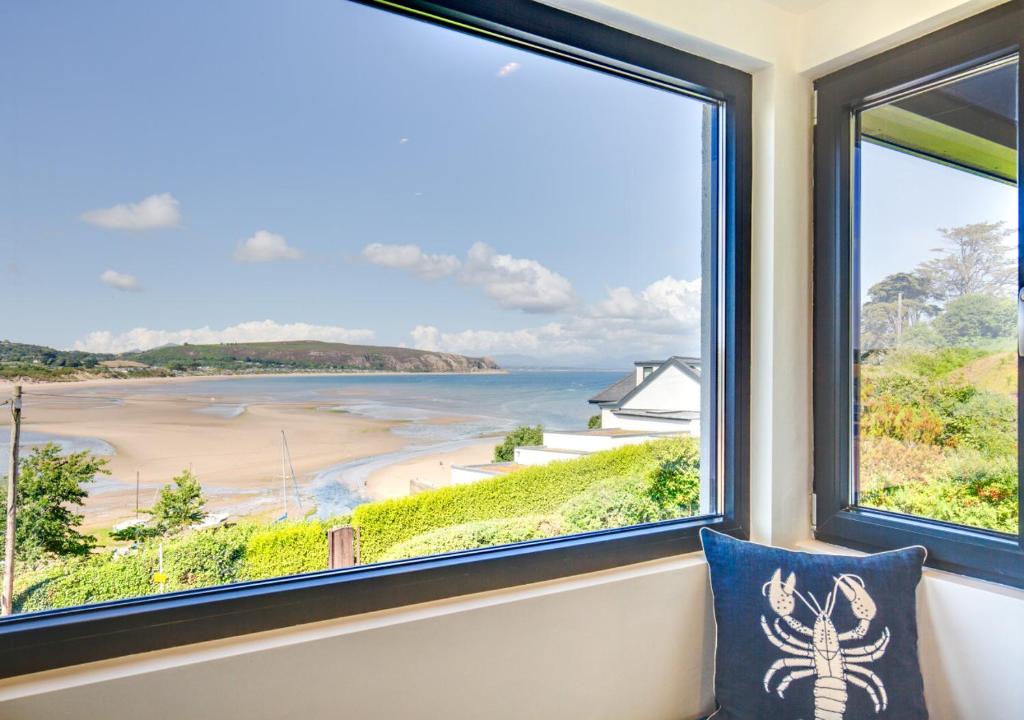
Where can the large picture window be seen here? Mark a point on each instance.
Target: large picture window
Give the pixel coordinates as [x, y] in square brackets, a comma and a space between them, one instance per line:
[918, 218]
[317, 309]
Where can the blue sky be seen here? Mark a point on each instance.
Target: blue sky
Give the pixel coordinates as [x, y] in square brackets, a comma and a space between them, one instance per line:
[906, 199]
[196, 171]
[314, 135]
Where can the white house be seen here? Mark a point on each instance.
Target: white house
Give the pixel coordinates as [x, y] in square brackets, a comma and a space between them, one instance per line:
[657, 396]
[657, 399]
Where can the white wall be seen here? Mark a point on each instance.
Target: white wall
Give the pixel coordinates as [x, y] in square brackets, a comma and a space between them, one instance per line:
[673, 389]
[661, 425]
[630, 643]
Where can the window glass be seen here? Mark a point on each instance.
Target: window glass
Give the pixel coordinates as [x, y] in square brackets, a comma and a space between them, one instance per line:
[936, 357]
[272, 274]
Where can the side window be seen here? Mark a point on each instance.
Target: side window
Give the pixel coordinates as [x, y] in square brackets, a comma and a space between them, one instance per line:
[936, 254]
[918, 304]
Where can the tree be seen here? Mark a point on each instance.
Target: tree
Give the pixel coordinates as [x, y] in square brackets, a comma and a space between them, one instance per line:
[50, 487]
[976, 259]
[896, 303]
[971, 318]
[522, 436]
[594, 423]
[180, 504]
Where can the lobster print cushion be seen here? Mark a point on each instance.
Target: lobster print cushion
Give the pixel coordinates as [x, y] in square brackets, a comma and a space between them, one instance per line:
[803, 636]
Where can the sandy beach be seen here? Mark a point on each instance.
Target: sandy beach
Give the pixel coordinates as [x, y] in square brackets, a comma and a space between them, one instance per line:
[237, 458]
[432, 470]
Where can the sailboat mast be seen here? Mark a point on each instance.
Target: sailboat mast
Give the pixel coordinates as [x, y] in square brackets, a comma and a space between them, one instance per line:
[284, 473]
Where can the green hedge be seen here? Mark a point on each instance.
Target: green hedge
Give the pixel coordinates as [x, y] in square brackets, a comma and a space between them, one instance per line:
[288, 550]
[199, 559]
[482, 533]
[629, 485]
[540, 490]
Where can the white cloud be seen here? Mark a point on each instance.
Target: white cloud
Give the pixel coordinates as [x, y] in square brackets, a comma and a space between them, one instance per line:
[662, 319]
[514, 283]
[552, 339]
[411, 258]
[121, 281]
[155, 211]
[669, 303]
[426, 337]
[254, 331]
[517, 283]
[265, 246]
[508, 68]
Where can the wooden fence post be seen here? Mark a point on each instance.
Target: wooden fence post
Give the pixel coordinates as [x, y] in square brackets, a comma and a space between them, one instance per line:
[342, 547]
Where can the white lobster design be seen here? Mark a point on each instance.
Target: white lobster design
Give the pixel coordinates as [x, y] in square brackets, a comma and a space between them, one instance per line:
[822, 656]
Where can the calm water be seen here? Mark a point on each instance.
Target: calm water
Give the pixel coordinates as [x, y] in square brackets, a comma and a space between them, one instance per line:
[489, 403]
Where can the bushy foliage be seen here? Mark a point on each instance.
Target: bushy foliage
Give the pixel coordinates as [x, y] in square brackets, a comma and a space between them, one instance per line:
[933, 364]
[522, 436]
[287, 550]
[885, 462]
[202, 558]
[50, 487]
[180, 504]
[594, 423]
[938, 443]
[618, 502]
[625, 486]
[540, 490]
[480, 533]
[86, 580]
[675, 483]
[973, 318]
[209, 557]
[970, 489]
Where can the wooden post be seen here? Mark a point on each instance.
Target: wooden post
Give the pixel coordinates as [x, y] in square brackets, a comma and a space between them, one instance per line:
[7, 599]
[342, 547]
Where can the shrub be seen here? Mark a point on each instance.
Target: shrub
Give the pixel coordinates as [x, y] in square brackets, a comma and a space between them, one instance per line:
[522, 436]
[86, 580]
[180, 504]
[481, 533]
[935, 363]
[977, 317]
[207, 557]
[889, 418]
[286, 549]
[970, 489]
[594, 423]
[203, 558]
[675, 483]
[619, 502]
[985, 422]
[540, 490]
[885, 461]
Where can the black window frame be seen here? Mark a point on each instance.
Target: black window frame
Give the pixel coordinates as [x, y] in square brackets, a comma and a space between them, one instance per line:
[986, 37]
[39, 641]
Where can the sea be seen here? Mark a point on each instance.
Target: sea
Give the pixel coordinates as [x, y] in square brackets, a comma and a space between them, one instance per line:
[489, 403]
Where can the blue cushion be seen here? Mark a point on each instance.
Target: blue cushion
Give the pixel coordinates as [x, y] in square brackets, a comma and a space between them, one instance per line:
[814, 637]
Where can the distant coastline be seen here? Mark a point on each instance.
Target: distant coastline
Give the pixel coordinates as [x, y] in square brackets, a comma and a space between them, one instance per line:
[91, 380]
[38, 363]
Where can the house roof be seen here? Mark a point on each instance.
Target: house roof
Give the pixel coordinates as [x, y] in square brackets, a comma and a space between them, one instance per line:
[627, 385]
[659, 414]
[690, 366]
[614, 393]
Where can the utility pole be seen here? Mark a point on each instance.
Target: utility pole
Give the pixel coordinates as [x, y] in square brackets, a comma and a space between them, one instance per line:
[899, 318]
[7, 600]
